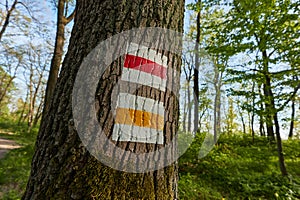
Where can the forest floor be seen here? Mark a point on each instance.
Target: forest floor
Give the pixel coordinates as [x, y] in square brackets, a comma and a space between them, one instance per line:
[240, 168]
[6, 145]
[16, 150]
[236, 168]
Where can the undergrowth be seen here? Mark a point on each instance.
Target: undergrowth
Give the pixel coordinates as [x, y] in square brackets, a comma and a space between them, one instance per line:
[236, 168]
[15, 166]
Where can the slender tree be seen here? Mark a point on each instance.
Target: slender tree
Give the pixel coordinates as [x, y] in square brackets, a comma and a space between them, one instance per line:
[187, 115]
[38, 60]
[217, 82]
[258, 26]
[241, 116]
[197, 65]
[62, 20]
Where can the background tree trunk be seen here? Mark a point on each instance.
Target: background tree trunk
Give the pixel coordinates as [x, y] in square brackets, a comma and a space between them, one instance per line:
[253, 110]
[61, 166]
[217, 82]
[187, 115]
[291, 132]
[279, 147]
[184, 113]
[268, 98]
[241, 116]
[261, 116]
[189, 121]
[196, 71]
[62, 21]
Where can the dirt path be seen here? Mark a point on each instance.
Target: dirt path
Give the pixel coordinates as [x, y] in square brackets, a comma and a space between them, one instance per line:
[6, 145]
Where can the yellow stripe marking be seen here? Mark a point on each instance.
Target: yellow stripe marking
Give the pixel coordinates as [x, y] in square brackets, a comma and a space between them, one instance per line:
[139, 118]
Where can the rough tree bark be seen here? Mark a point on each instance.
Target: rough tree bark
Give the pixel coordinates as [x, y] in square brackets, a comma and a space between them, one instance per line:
[61, 167]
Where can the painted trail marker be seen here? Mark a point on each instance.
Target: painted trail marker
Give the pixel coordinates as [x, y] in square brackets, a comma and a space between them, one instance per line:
[137, 118]
[145, 66]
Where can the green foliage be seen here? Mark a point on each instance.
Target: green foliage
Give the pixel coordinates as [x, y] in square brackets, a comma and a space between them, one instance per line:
[237, 168]
[230, 123]
[6, 87]
[189, 190]
[267, 34]
[14, 171]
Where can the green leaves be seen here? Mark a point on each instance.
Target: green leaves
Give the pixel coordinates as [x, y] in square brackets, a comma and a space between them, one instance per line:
[237, 168]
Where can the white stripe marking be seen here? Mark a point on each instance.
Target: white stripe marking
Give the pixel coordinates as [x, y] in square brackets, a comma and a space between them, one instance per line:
[136, 76]
[126, 100]
[130, 133]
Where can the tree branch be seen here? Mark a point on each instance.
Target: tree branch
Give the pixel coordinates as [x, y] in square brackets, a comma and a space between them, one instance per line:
[67, 20]
[291, 98]
[9, 12]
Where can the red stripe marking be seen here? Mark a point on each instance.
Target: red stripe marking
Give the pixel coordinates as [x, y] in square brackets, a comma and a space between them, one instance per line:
[145, 65]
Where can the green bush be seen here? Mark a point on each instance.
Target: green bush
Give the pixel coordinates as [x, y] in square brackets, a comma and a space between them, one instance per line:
[238, 168]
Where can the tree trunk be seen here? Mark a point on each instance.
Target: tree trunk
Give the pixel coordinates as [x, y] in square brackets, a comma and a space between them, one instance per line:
[189, 109]
[196, 72]
[261, 127]
[272, 112]
[292, 119]
[31, 99]
[253, 111]
[217, 113]
[61, 167]
[279, 147]
[261, 118]
[217, 102]
[278, 136]
[22, 117]
[269, 122]
[242, 117]
[184, 114]
[62, 21]
[38, 114]
[268, 97]
[187, 115]
[201, 119]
